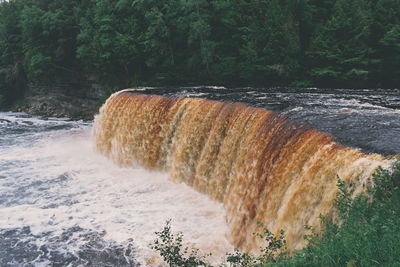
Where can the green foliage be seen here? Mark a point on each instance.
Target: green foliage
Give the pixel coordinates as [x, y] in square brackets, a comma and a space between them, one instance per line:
[171, 248]
[275, 248]
[39, 67]
[369, 230]
[341, 48]
[301, 83]
[126, 43]
[12, 74]
[367, 234]
[108, 42]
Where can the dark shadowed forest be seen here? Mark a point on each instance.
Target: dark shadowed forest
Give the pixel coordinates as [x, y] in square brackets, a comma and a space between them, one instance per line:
[300, 43]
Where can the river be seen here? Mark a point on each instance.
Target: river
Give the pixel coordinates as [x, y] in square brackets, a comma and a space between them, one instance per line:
[63, 204]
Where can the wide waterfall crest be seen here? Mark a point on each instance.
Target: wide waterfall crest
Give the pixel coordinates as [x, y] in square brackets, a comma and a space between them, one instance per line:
[260, 165]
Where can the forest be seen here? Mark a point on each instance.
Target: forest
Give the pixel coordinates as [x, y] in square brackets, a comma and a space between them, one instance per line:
[125, 43]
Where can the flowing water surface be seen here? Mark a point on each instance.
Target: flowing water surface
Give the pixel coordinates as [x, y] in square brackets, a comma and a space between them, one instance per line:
[364, 118]
[64, 204]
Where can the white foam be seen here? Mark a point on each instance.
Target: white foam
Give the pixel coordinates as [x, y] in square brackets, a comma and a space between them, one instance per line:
[195, 94]
[206, 86]
[122, 203]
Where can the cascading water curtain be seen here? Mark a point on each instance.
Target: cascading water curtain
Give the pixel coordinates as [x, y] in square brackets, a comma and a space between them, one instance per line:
[259, 164]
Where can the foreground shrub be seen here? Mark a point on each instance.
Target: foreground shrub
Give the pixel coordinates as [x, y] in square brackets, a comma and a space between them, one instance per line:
[171, 249]
[368, 234]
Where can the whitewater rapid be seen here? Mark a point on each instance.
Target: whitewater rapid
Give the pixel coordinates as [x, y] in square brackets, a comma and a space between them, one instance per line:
[61, 201]
[62, 204]
[262, 166]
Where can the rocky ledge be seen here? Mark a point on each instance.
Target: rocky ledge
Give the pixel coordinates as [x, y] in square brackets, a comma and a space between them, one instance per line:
[58, 105]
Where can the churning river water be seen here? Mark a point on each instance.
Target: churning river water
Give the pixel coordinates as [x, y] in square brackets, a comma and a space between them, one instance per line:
[63, 204]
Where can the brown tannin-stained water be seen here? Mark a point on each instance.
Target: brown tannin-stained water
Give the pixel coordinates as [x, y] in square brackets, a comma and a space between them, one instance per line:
[261, 165]
[214, 168]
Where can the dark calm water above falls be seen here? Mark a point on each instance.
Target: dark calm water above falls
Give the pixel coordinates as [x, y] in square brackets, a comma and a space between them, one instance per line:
[365, 118]
[63, 204]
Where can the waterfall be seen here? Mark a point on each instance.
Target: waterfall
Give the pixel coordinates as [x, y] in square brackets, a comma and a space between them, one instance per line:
[259, 164]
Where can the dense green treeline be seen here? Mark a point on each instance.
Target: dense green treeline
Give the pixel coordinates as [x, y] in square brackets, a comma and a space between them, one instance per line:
[329, 43]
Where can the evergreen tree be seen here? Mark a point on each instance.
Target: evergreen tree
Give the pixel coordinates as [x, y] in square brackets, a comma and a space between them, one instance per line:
[385, 42]
[49, 31]
[125, 43]
[340, 48]
[108, 43]
[12, 72]
[196, 18]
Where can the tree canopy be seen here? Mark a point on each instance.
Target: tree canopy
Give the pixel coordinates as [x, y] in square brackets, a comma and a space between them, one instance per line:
[122, 43]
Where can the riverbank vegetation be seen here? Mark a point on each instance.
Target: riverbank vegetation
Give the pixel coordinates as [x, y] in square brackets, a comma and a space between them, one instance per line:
[367, 234]
[118, 44]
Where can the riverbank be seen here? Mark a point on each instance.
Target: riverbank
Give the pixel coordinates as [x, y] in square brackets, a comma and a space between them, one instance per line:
[58, 105]
[62, 98]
